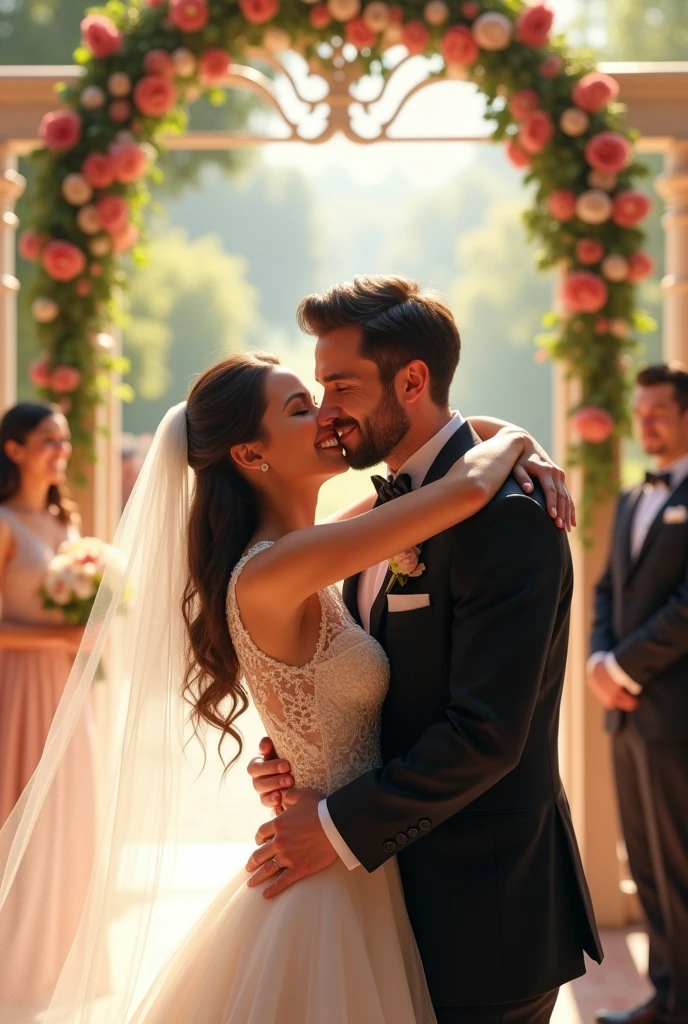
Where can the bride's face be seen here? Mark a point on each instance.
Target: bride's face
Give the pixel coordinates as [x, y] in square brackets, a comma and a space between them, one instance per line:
[295, 446]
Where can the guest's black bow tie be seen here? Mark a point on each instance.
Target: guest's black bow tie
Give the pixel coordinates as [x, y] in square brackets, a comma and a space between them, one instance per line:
[653, 479]
[392, 487]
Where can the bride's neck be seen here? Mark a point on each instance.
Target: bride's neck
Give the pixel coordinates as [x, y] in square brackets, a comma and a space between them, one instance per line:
[284, 513]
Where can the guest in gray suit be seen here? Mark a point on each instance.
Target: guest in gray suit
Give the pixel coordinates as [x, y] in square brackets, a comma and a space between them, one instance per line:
[638, 670]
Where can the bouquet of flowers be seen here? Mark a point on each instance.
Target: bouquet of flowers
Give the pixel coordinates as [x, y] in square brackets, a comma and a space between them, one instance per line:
[74, 575]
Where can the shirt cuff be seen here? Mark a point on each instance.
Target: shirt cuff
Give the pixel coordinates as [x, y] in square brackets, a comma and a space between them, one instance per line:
[349, 859]
[621, 677]
[595, 659]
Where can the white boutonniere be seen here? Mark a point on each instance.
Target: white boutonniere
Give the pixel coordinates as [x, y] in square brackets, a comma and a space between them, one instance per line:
[404, 566]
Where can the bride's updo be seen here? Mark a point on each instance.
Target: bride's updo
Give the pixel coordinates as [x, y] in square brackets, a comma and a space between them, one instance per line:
[225, 408]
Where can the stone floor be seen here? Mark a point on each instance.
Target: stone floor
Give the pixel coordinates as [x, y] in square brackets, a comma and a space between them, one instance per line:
[620, 981]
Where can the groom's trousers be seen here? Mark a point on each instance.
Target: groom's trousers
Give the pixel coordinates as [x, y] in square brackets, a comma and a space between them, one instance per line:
[529, 1011]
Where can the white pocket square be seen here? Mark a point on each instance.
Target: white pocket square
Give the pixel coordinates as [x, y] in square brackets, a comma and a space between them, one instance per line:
[674, 514]
[407, 602]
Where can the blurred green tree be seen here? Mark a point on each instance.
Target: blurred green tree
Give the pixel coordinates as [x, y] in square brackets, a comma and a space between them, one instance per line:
[190, 305]
[647, 30]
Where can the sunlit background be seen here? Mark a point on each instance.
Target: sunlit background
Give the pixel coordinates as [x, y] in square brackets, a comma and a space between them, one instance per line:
[238, 238]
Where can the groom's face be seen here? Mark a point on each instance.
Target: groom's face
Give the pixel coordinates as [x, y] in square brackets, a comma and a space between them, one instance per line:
[367, 415]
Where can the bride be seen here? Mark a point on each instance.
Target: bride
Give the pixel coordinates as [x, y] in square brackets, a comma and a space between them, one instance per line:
[230, 597]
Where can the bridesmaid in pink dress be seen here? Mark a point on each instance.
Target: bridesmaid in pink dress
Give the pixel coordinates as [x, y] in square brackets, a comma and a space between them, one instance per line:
[36, 654]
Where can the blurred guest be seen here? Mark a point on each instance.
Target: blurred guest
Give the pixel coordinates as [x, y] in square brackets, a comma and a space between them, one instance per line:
[639, 672]
[36, 654]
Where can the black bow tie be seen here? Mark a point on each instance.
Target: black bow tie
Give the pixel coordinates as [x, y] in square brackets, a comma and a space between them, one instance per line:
[392, 487]
[653, 479]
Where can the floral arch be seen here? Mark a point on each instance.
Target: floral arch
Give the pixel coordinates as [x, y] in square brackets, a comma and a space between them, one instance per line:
[143, 64]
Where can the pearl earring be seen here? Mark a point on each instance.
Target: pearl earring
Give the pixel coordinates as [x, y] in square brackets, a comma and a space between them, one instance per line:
[265, 467]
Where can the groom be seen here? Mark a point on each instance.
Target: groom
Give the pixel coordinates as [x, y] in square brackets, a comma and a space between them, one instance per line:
[469, 798]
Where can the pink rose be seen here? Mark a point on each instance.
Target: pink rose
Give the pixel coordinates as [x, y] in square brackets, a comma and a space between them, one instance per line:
[640, 266]
[593, 424]
[83, 288]
[99, 170]
[65, 379]
[358, 34]
[259, 11]
[100, 35]
[406, 563]
[536, 131]
[60, 130]
[129, 161]
[534, 24]
[159, 62]
[589, 250]
[459, 46]
[594, 91]
[320, 16]
[188, 15]
[523, 102]
[213, 65]
[583, 292]
[630, 207]
[39, 372]
[96, 270]
[608, 152]
[113, 213]
[62, 260]
[551, 66]
[602, 325]
[154, 96]
[125, 239]
[31, 244]
[516, 155]
[415, 37]
[119, 111]
[562, 204]
[470, 10]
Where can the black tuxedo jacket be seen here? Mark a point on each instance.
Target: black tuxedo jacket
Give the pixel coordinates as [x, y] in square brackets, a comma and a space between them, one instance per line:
[470, 796]
[641, 614]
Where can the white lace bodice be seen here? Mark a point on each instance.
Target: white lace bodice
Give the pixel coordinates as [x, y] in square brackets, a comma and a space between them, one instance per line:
[323, 717]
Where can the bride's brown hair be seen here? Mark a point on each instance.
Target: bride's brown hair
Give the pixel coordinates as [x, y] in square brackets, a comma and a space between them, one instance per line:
[225, 407]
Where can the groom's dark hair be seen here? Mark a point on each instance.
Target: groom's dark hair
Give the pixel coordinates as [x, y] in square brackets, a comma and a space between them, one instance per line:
[399, 322]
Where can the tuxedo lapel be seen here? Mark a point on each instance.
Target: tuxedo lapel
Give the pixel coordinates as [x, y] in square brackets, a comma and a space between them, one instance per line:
[677, 497]
[456, 447]
[626, 529]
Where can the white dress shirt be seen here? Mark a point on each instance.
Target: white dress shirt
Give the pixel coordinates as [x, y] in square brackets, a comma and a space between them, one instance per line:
[370, 581]
[649, 505]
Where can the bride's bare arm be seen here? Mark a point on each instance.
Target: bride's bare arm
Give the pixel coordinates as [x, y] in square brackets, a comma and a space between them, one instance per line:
[363, 504]
[280, 579]
[534, 463]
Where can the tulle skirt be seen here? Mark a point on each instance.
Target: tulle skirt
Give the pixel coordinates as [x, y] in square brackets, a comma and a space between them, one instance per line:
[336, 948]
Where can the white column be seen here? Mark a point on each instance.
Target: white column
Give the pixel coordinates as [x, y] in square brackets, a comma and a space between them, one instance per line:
[12, 185]
[672, 186]
[584, 746]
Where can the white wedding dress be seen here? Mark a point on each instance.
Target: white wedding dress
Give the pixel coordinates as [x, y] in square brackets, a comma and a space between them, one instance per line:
[336, 948]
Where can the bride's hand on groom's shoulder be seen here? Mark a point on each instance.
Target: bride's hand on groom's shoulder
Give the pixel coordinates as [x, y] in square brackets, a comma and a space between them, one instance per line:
[535, 464]
[271, 777]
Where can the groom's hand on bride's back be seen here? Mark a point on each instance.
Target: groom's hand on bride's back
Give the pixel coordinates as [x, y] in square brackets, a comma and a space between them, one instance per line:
[271, 777]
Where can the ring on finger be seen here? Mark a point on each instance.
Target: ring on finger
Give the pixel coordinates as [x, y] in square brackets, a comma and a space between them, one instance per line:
[274, 861]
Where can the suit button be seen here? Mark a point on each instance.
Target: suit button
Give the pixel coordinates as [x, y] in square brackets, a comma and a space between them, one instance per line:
[402, 839]
[425, 825]
[389, 846]
[412, 833]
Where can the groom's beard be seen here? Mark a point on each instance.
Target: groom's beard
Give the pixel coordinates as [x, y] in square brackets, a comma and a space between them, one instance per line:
[380, 433]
